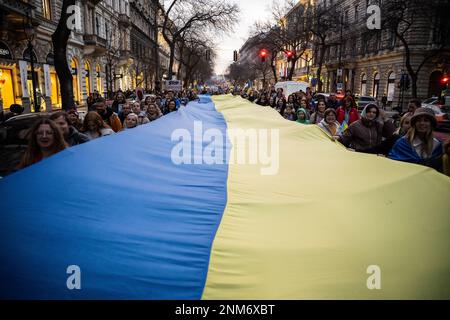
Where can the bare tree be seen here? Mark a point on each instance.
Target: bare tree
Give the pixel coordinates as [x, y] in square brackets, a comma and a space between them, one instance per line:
[409, 18]
[193, 56]
[322, 22]
[112, 54]
[263, 69]
[184, 15]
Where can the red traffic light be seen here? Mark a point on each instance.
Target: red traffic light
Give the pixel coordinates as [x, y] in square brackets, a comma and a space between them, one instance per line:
[289, 55]
[263, 54]
[444, 79]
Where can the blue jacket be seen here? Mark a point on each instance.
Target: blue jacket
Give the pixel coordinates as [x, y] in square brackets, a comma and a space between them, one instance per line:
[403, 151]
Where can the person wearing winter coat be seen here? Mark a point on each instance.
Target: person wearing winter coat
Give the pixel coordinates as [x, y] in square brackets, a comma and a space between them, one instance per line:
[347, 113]
[366, 134]
[419, 145]
[302, 116]
[329, 124]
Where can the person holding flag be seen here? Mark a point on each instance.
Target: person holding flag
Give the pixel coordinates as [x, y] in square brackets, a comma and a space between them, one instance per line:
[347, 113]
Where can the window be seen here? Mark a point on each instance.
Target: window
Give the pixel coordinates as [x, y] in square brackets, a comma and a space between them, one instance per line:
[376, 85]
[46, 9]
[363, 84]
[391, 87]
[97, 26]
[356, 13]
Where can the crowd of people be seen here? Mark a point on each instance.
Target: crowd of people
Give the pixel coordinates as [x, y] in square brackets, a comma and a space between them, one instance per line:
[369, 132]
[372, 131]
[64, 129]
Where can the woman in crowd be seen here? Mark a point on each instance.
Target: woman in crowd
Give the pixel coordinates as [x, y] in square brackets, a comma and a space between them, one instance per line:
[171, 106]
[262, 101]
[318, 116]
[419, 145]
[272, 103]
[94, 126]
[136, 107]
[281, 105]
[45, 140]
[405, 124]
[302, 116]
[153, 112]
[119, 102]
[131, 121]
[292, 101]
[330, 125]
[289, 113]
[348, 112]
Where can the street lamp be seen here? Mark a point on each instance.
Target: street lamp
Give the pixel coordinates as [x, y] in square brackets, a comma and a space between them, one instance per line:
[29, 31]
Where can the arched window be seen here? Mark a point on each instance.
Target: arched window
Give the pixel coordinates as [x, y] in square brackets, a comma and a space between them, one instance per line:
[363, 84]
[76, 90]
[99, 79]
[376, 85]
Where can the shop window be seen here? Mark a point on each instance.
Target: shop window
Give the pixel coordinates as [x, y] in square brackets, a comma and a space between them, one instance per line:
[7, 97]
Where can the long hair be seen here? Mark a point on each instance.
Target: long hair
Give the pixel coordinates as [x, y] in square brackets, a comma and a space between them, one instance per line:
[34, 152]
[97, 119]
[427, 142]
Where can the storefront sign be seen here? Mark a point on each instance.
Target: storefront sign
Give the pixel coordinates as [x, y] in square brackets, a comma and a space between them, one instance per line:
[47, 81]
[23, 67]
[5, 53]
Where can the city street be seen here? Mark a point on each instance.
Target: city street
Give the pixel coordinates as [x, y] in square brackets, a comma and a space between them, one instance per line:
[224, 150]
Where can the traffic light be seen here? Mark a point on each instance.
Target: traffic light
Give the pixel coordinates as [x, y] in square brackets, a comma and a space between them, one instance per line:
[235, 56]
[444, 80]
[289, 55]
[263, 55]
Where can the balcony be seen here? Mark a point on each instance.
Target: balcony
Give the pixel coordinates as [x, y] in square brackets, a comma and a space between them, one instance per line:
[17, 6]
[94, 45]
[124, 20]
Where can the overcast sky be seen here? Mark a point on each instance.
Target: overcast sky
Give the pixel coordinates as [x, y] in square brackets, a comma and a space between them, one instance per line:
[251, 11]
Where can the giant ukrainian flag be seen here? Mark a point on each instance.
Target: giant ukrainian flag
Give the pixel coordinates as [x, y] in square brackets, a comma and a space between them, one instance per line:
[139, 226]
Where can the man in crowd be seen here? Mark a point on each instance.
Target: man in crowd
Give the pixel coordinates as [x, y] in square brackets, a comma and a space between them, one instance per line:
[71, 135]
[107, 114]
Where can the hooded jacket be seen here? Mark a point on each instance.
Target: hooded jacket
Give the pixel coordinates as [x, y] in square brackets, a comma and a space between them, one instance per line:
[306, 121]
[364, 135]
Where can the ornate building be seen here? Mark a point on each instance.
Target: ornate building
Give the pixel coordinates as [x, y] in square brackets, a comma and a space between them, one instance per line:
[99, 52]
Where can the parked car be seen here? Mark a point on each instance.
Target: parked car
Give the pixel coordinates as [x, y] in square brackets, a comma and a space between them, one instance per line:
[363, 101]
[14, 140]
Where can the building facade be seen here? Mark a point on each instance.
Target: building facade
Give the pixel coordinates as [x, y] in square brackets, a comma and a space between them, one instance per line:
[371, 62]
[99, 51]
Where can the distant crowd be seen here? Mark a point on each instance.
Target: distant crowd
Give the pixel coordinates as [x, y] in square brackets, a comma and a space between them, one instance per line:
[370, 131]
